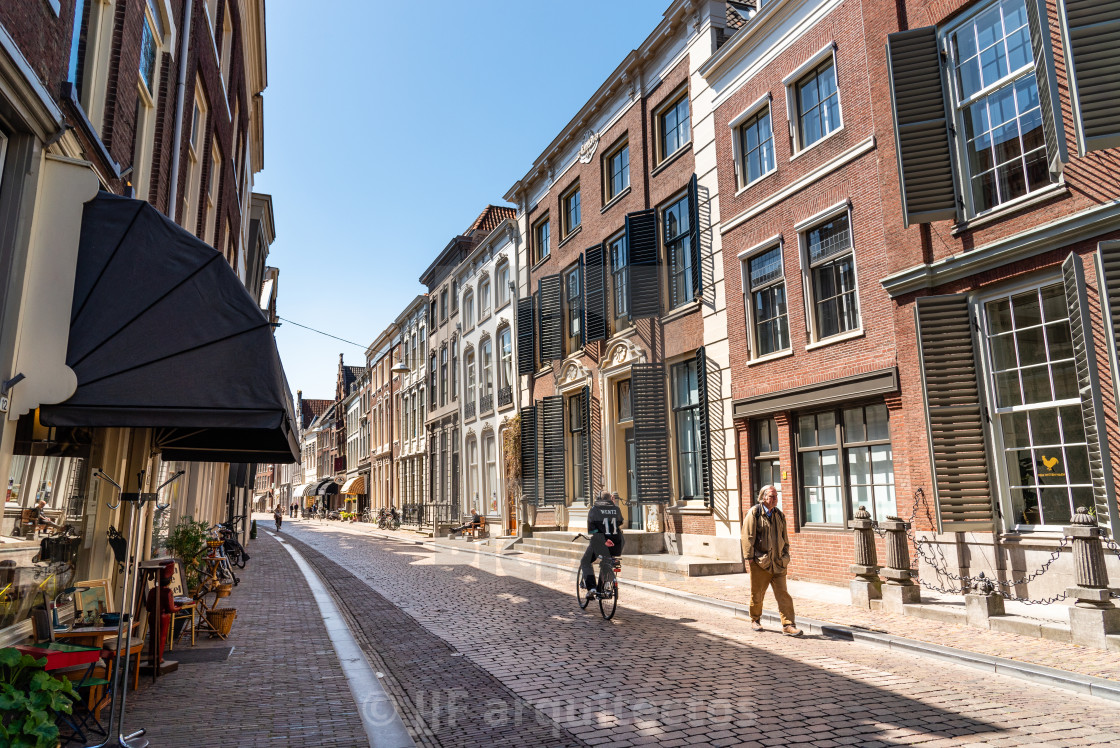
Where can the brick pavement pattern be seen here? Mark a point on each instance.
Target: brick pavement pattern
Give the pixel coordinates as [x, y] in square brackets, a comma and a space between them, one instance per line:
[672, 673]
[282, 686]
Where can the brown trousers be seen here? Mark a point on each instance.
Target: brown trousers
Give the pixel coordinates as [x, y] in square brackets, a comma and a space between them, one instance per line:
[760, 580]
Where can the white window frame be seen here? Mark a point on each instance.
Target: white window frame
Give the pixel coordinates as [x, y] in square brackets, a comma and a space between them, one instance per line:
[790, 84]
[484, 311]
[501, 286]
[671, 102]
[763, 102]
[803, 228]
[748, 302]
[468, 310]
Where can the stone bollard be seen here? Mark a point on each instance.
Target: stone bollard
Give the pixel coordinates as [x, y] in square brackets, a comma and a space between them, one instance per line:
[981, 602]
[866, 586]
[900, 588]
[1093, 617]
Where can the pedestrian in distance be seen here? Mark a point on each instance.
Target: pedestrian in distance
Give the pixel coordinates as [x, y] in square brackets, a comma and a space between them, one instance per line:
[278, 516]
[766, 553]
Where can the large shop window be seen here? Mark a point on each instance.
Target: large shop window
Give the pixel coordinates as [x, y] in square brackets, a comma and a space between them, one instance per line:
[766, 303]
[678, 250]
[833, 284]
[767, 462]
[686, 421]
[1041, 433]
[846, 462]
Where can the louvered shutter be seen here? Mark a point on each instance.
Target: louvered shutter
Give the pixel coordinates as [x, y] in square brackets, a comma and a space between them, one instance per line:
[552, 444]
[595, 294]
[1091, 37]
[585, 479]
[921, 127]
[954, 414]
[1052, 131]
[645, 277]
[694, 235]
[651, 432]
[525, 336]
[530, 489]
[1108, 279]
[549, 288]
[1088, 386]
[705, 426]
[581, 276]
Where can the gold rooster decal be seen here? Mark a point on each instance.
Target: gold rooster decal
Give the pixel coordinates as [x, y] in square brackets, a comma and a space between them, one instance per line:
[1049, 462]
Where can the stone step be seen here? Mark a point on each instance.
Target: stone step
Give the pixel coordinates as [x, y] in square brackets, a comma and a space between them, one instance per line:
[637, 542]
[689, 566]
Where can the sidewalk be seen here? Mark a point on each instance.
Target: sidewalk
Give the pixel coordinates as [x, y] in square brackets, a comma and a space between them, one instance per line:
[829, 604]
[282, 685]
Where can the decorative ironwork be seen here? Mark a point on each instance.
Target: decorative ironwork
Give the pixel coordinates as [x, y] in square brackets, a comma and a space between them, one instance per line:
[436, 514]
[468, 409]
[486, 403]
[505, 395]
[411, 514]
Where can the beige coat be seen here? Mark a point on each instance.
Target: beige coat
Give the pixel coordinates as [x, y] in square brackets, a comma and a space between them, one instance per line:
[774, 540]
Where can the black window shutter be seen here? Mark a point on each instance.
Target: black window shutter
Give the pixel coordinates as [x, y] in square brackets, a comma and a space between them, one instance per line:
[954, 414]
[921, 127]
[651, 432]
[1052, 131]
[581, 274]
[552, 444]
[705, 426]
[585, 479]
[1088, 386]
[550, 318]
[694, 234]
[525, 336]
[645, 276]
[1091, 36]
[595, 294]
[530, 490]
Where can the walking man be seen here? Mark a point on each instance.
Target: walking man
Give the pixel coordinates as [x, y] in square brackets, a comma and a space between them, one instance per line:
[766, 551]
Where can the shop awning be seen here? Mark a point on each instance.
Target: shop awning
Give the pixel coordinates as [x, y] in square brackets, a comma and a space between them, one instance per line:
[301, 491]
[326, 487]
[356, 485]
[163, 335]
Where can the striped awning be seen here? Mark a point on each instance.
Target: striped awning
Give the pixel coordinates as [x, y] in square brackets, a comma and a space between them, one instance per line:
[307, 489]
[356, 485]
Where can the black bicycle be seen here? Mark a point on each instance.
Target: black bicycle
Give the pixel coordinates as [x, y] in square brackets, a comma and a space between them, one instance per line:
[235, 552]
[606, 591]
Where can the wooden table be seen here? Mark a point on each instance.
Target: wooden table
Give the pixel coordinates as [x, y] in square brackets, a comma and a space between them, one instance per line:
[96, 635]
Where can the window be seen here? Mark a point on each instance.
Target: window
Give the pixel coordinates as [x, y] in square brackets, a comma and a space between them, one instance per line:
[192, 193]
[443, 305]
[673, 127]
[767, 466]
[686, 422]
[833, 277]
[469, 363]
[433, 310]
[505, 352]
[678, 248]
[620, 281]
[818, 104]
[846, 462]
[1038, 423]
[420, 415]
[454, 296]
[144, 132]
[212, 195]
[501, 283]
[571, 218]
[578, 462]
[540, 240]
[433, 373]
[756, 147]
[415, 419]
[468, 311]
[490, 498]
[486, 383]
[484, 298]
[227, 43]
[995, 94]
[442, 376]
[455, 369]
[766, 302]
[148, 50]
[625, 404]
[573, 298]
[616, 172]
[405, 357]
[77, 43]
[472, 471]
[422, 346]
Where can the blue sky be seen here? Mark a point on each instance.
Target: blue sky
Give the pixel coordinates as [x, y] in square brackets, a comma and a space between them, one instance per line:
[389, 126]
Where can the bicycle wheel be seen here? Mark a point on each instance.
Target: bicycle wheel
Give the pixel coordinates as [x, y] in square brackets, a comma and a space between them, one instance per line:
[234, 556]
[608, 598]
[581, 592]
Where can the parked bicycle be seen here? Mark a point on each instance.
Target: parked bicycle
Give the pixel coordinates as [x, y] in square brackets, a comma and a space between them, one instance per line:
[606, 590]
[222, 566]
[388, 519]
[228, 532]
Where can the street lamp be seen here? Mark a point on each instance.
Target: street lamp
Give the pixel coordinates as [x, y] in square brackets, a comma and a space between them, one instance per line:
[400, 368]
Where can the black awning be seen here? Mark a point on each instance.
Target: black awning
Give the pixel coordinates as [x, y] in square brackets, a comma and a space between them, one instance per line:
[163, 335]
[326, 487]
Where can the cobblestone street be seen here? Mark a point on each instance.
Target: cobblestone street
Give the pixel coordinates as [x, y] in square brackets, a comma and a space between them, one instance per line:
[478, 650]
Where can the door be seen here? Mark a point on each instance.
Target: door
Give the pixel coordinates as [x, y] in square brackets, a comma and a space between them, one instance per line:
[632, 503]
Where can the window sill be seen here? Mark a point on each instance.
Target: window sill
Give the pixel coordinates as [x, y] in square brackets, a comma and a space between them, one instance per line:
[689, 506]
[682, 311]
[540, 262]
[571, 235]
[770, 357]
[1060, 189]
[850, 335]
[670, 159]
[542, 371]
[822, 527]
[748, 185]
[614, 201]
[810, 147]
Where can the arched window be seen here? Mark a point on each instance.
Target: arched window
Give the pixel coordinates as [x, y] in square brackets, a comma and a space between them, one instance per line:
[484, 298]
[468, 311]
[501, 285]
[505, 357]
[472, 473]
[470, 374]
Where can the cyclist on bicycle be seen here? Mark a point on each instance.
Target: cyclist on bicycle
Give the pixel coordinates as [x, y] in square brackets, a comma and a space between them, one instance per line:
[604, 526]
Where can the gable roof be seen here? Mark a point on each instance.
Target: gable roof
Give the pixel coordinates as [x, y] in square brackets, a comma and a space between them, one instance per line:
[312, 409]
[489, 219]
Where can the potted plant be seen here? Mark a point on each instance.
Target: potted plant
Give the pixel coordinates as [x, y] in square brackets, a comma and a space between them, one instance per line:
[30, 698]
[253, 531]
[187, 542]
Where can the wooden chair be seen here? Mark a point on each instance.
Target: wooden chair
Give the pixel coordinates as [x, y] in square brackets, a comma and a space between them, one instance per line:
[476, 531]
